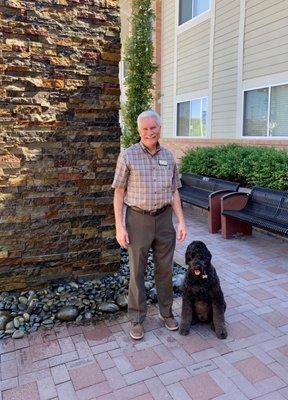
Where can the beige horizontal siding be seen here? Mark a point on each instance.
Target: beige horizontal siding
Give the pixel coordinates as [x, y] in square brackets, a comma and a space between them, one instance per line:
[265, 33]
[261, 48]
[224, 7]
[167, 67]
[225, 68]
[125, 9]
[253, 3]
[262, 14]
[266, 38]
[193, 58]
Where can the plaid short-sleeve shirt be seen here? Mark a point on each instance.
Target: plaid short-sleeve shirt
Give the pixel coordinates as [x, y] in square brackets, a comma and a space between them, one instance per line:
[149, 180]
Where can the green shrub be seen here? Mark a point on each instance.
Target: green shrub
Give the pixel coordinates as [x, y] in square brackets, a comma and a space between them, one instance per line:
[248, 165]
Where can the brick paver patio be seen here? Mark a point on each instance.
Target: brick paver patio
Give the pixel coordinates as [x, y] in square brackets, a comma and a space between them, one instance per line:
[101, 362]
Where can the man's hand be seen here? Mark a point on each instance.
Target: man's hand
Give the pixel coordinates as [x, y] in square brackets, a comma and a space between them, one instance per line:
[181, 232]
[122, 237]
[121, 233]
[176, 205]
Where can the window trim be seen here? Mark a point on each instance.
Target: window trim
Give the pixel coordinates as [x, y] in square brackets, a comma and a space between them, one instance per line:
[122, 81]
[183, 99]
[194, 20]
[267, 137]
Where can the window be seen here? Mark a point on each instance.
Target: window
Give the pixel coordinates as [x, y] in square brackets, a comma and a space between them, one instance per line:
[266, 111]
[278, 124]
[255, 112]
[192, 117]
[189, 9]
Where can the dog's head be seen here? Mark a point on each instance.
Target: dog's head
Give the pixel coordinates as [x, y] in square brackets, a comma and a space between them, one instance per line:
[198, 258]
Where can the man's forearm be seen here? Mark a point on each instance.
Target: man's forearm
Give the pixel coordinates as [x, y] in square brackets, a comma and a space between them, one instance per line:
[177, 208]
[118, 206]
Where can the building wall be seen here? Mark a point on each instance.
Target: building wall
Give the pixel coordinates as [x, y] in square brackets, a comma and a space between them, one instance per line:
[266, 38]
[59, 140]
[193, 59]
[125, 13]
[225, 69]
[241, 45]
[167, 66]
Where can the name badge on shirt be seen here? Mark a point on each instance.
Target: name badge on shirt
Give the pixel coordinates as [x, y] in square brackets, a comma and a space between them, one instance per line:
[163, 163]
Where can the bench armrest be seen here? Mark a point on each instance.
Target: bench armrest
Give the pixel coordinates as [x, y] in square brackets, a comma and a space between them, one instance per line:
[220, 192]
[214, 215]
[234, 201]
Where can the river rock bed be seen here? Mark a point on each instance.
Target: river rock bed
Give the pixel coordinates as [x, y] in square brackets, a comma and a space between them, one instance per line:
[77, 301]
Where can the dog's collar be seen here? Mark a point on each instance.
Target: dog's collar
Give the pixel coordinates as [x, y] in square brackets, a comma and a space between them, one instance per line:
[204, 275]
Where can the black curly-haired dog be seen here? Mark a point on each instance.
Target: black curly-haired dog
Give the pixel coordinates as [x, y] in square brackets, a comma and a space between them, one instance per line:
[202, 297]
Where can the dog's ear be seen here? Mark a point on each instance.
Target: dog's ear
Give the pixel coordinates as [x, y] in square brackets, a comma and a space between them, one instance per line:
[190, 252]
[189, 255]
[207, 256]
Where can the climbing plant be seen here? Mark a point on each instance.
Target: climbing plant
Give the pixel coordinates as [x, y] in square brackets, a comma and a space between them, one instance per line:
[138, 56]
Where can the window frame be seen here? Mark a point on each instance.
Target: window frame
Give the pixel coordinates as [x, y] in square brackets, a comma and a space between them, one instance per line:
[190, 99]
[194, 20]
[268, 136]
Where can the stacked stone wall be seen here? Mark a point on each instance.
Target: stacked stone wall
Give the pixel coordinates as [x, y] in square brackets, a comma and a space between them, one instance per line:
[59, 139]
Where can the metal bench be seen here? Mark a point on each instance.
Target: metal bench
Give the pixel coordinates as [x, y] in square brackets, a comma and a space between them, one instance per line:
[206, 192]
[263, 208]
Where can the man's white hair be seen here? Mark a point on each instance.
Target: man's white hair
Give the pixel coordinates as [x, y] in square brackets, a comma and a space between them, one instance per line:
[149, 114]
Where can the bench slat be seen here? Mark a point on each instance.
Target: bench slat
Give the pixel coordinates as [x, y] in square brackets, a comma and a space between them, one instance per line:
[206, 192]
[266, 209]
[258, 221]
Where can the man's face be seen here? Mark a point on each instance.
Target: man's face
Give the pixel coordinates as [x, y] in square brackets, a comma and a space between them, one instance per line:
[149, 132]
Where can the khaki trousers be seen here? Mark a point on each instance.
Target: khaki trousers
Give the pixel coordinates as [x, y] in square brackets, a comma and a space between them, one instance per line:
[146, 231]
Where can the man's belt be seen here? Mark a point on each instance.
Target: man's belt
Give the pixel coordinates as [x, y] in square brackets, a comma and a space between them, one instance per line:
[153, 212]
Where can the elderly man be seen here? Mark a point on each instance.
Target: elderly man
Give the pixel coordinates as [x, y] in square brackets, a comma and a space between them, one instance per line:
[146, 181]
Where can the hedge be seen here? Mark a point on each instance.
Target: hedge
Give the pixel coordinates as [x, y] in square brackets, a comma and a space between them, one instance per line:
[248, 165]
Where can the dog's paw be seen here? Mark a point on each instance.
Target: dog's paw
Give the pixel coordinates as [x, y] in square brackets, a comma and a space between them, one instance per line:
[183, 330]
[221, 333]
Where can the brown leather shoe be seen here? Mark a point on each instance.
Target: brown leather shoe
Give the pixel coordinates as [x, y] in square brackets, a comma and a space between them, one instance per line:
[170, 323]
[136, 331]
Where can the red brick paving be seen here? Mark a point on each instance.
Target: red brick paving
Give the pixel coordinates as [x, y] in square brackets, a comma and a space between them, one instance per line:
[260, 294]
[47, 350]
[284, 350]
[146, 396]
[284, 286]
[275, 318]
[253, 369]
[25, 392]
[249, 276]
[103, 363]
[100, 333]
[277, 270]
[202, 387]
[239, 331]
[86, 375]
[143, 358]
